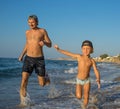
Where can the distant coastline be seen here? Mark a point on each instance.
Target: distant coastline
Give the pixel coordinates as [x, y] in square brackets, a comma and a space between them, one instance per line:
[109, 59]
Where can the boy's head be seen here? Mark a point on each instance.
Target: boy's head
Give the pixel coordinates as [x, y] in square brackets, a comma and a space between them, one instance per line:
[87, 43]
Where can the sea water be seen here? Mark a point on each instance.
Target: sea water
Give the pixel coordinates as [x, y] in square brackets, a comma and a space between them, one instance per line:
[60, 94]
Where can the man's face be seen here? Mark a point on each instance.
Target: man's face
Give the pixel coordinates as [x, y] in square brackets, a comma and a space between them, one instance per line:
[32, 23]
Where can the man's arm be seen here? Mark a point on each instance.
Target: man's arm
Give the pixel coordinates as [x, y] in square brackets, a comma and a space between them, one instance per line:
[47, 40]
[22, 54]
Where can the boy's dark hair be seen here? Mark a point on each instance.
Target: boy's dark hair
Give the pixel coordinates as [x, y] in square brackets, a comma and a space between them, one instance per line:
[87, 43]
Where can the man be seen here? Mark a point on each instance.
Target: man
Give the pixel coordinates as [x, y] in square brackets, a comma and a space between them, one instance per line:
[36, 38]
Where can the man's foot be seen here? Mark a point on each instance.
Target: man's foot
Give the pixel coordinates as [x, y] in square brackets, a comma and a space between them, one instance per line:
[25, 101]
[47, 79]
[22, 105]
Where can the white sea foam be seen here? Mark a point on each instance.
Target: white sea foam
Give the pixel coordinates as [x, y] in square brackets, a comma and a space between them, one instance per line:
[26, 101]
[53, 92]
[71, 81]
[71, 70]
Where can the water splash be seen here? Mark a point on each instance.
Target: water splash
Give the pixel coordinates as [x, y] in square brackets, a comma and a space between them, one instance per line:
[26, 101]
[53, 92]
[94, 98]
[71, 70]
[92, 106]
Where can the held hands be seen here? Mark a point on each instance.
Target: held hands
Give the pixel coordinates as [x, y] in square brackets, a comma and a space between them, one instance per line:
[56, 47]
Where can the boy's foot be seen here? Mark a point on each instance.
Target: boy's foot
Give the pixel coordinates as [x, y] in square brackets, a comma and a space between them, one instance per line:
[47, 79]
[82, 106]
[22, 105]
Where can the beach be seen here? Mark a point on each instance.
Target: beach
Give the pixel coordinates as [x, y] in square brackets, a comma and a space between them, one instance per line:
[60, 94]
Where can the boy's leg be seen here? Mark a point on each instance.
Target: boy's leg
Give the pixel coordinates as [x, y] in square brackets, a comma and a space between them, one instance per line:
[23, 87]
[78, 91]
[86, 89]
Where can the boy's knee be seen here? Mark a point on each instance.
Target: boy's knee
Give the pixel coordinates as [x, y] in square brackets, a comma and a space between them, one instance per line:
[78, 96]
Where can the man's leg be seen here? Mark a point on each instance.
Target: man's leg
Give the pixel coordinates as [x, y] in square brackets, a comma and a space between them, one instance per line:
[41, 80]
[23, 87]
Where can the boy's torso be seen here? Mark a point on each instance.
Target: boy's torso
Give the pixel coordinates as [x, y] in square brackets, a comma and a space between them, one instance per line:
[84, 66]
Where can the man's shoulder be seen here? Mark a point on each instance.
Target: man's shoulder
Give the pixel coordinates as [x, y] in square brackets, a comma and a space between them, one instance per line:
[27, 31]
[42, 29]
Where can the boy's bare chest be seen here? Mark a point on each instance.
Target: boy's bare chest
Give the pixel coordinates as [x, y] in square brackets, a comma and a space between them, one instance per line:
[85, 62]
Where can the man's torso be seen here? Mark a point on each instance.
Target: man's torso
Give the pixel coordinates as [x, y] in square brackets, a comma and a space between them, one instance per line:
[33, 38]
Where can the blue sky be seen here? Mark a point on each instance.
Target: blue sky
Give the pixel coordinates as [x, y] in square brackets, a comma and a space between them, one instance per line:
[68, 23]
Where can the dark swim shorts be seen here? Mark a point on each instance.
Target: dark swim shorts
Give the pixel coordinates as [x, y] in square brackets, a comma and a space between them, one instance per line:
[37, 63]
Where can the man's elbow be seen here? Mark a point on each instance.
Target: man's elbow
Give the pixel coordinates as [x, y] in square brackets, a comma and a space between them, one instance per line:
[50, 45]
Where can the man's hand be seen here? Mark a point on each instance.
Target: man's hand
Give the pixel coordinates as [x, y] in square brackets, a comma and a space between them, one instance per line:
[20, 58]
[41, 43]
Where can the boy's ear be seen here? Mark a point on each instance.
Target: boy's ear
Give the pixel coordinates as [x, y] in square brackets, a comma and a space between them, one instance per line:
[92, 50]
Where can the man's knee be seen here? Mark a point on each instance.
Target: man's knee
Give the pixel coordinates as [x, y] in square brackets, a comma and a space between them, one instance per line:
[42, 83]
[24, 82]
[25, 77]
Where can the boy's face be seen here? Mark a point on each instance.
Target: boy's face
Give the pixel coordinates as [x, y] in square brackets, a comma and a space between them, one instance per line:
[86, 50]
[32, 23]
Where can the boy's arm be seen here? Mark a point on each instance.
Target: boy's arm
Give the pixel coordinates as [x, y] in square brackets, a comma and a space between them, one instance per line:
[97, 74]
[65, 52]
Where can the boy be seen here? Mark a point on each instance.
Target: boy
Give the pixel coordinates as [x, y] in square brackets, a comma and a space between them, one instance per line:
[85, 62]
[36, 38]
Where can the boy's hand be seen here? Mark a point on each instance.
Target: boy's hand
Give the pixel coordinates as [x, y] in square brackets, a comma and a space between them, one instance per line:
[98, 83]
[56, 47]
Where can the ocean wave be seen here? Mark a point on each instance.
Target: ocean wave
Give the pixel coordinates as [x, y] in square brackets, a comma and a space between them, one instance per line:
[71, 70]
[8, 73]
